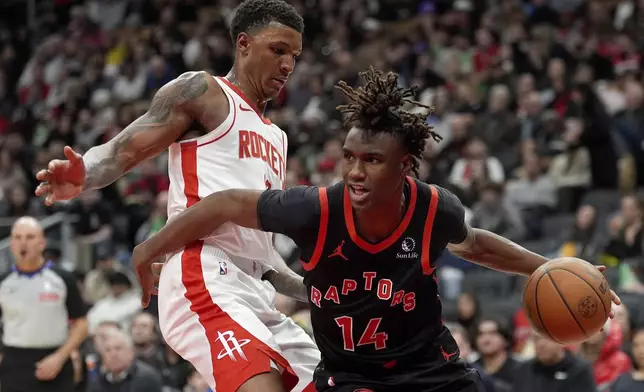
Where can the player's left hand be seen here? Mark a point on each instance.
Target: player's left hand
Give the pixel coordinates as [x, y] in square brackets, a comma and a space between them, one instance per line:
[143, 267]
[49, 367]
[615, 298]
[156, 271]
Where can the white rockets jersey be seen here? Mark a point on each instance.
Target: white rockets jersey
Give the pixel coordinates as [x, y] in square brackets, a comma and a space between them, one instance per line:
[246, 151]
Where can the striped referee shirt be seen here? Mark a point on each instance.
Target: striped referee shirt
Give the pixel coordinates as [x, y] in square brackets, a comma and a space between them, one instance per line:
[37, 307]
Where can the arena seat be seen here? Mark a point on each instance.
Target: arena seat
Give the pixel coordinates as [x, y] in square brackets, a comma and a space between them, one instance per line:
[604, 200]
[557, 226]
[488, 282]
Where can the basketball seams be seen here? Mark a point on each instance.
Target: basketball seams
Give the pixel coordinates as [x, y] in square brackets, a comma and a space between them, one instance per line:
[536, 305]
[590, 285]
[563, 299]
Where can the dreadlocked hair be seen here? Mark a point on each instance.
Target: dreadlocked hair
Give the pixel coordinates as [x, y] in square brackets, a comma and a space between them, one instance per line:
[378, 107]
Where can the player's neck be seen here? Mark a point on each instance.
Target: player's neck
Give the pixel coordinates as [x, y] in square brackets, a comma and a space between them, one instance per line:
[28, 266]
[241, 80]
[374, 225]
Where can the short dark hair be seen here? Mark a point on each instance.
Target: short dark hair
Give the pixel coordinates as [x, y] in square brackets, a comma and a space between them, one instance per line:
[252, 14]
[378, 107]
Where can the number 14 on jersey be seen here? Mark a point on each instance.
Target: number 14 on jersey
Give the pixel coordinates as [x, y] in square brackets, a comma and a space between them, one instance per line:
[369, 336]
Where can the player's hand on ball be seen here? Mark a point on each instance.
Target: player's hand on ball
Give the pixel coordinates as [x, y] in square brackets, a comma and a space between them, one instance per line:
[63, 179]
[615, 298]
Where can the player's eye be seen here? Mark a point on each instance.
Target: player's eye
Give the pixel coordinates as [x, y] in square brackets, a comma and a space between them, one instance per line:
[348, 156]
[372, 160]
[278, 51]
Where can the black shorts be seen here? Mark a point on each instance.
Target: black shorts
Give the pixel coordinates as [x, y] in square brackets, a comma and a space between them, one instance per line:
[18, 368]
[451, 377]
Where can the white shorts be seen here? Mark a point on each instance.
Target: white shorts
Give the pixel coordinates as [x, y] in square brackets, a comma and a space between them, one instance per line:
[224, 322]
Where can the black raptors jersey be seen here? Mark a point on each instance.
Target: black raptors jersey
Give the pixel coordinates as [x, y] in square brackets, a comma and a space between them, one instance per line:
[372, 304]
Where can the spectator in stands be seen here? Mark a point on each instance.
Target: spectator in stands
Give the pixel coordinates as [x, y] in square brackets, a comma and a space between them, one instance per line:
[603, 350]
[498, 126]
[634, 380]
[121, 372]
[534, 194]
[553, 369]
[469, 313]
[11, 174]
[492, 212]
[147, 340]
[570, 168]
[463, 342]
[93, 349]
[96, 282]
[625, 230]
[581, 241]
[93, 225]
[493, 343]
[466, 353]
[156, 219]
[476, 169]
[119, 306]
[17, 203]
[623, 318]
[629, 123]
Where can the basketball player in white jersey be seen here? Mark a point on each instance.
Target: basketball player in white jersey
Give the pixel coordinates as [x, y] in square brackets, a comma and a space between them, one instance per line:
[215, 310]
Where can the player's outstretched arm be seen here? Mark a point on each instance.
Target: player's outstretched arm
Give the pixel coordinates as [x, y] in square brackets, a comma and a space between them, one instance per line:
[490, 250]
[170, 115]
[293, 212]
[164, 122]
[286, 281]
[481, 246]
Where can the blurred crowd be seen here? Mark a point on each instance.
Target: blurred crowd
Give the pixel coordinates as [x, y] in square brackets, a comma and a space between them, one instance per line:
[539, 103]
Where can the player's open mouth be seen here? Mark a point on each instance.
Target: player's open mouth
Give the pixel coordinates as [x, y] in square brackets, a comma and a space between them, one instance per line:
[279, 82]
[358, 193]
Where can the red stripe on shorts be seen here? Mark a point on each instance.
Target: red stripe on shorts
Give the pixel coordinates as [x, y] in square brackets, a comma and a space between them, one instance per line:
[236, 354]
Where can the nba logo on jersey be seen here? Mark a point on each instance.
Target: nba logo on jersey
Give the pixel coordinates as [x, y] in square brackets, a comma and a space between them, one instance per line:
[223, 268]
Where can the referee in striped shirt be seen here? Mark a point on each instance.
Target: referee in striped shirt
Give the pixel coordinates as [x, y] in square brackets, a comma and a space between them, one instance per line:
[38, 300]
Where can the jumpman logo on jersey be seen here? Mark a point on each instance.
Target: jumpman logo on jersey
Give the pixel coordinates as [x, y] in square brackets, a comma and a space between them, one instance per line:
[448, 356]
[338, 252]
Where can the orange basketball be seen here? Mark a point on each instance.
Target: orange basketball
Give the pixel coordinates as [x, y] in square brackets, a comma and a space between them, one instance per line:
[567, 299]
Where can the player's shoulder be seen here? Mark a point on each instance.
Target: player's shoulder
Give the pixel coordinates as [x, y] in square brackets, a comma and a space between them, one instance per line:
[334, 189]
[444, 195]
[191, 85]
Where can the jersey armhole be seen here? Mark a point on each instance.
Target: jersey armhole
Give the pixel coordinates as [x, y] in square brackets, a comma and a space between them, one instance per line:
[322, 232]
[223, 128]
[427, 232]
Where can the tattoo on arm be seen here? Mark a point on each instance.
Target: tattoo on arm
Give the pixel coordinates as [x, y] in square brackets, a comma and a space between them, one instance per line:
[147, 136]
[288, 283]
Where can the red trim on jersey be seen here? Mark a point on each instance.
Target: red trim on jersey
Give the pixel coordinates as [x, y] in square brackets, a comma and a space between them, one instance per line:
[427, 233]
[189, 171]
[310, 387]
[253, 106]
[324, 225]
[229, 371]
[232, 102]
[393, 237]
[285, 150]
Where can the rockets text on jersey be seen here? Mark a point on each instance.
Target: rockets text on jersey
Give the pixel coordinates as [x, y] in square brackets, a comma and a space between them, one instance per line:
[246, 151]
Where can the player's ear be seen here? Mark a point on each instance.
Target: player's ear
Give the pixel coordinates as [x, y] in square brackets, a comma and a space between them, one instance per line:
[406, 164]
[243, 43]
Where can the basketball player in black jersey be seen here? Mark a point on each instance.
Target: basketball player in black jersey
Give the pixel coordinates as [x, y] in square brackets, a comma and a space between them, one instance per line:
[369, 246]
